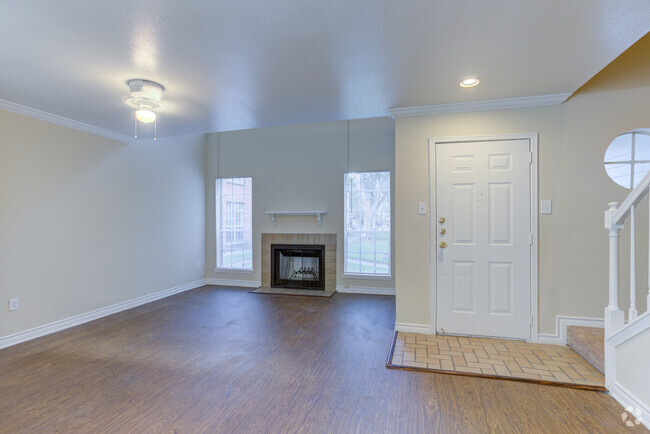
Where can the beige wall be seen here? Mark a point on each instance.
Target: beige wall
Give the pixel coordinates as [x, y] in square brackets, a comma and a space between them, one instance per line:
[573, 247]
[297, 168]
[87, 222]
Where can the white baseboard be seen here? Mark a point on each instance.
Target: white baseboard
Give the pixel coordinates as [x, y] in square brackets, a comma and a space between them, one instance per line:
[234, 282]
[564, 321]
[412, 328]
[561, 323]
[635, 408]
[547, 339]
[63, 324]
[365, 290]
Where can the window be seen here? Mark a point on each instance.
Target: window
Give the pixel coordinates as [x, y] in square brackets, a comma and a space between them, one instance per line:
[367, 223]
[627, 158]
[234, 227]
[234, 223]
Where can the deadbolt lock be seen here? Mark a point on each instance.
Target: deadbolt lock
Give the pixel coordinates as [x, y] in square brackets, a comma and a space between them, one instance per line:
[443, 244]
[443, 231]
[441, 219]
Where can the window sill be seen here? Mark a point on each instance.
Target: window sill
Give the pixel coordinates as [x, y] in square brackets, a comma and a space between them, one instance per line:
[367, 276]
[234, 270]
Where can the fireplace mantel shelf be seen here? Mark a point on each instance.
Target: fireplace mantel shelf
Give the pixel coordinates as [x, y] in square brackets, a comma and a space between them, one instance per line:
[318, 214]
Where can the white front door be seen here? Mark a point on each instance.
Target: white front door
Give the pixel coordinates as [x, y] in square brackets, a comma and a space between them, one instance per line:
[484, 218]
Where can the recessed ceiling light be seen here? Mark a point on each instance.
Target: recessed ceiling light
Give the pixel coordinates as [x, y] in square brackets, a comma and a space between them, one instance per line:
[470, 82]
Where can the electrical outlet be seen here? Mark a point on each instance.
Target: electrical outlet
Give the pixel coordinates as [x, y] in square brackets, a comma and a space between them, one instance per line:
[13, 304]
[198, 264]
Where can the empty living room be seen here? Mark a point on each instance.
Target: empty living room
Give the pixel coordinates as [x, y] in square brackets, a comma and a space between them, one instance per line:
[325, 217]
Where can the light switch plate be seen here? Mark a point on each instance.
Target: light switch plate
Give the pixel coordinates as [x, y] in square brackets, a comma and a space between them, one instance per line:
[422, 208]
[547, 207]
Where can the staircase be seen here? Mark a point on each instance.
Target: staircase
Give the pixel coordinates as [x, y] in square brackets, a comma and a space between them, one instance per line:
[589, 342]
[627, 343]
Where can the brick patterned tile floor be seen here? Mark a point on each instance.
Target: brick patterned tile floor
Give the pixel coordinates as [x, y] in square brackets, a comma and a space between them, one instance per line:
[495, 358]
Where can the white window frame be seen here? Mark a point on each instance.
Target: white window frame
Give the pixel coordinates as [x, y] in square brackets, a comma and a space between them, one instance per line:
[632, 162]
[365, 275]
[234, 222]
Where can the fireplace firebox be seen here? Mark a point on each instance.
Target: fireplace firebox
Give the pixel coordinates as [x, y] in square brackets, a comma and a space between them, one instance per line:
[298, 266]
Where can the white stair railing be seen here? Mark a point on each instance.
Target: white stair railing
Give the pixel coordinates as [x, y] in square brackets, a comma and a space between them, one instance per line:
[615, 217]
[633, 313]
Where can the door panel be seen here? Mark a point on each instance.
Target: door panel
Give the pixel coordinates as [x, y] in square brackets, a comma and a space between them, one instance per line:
[463, 213]
[483, 273]
[463, 286]
[501, 287]
[500, 198]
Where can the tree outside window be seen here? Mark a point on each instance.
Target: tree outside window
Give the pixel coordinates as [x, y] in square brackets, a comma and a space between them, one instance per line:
[367, 223]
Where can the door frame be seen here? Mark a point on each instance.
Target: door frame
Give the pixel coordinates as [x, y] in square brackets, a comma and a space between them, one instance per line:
[534, 227]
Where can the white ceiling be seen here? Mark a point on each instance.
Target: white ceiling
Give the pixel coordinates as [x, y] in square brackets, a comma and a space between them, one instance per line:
[237, 64]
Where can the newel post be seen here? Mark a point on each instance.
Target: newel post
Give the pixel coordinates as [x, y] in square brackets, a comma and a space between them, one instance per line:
[614, 316]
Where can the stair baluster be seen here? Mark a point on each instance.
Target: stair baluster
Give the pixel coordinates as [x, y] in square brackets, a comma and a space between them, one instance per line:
[633, 313]
[614, 316]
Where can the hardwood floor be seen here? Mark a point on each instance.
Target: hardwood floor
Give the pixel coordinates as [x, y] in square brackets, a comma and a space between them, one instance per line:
[223, 360]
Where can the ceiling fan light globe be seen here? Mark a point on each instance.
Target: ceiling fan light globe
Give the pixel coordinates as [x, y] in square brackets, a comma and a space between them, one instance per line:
[145, 115]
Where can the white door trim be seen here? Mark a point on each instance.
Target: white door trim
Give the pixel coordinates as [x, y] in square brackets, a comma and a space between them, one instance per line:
[534, 269]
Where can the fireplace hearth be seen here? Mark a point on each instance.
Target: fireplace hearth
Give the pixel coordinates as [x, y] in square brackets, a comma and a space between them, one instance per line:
[298, 266]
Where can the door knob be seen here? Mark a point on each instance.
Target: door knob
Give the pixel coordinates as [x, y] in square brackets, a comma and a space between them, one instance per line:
[443, 231]
[441, 219]
[443, 244]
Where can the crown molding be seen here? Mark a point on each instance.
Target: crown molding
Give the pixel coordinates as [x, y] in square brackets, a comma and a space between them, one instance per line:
[60, 120]
[476, 106]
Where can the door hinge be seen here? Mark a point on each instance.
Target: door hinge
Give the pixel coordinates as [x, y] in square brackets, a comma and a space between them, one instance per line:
[530, 239]
[531, 319]
[530, 158]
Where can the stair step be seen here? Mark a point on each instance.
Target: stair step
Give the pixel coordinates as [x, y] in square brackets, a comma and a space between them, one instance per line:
[589, 342]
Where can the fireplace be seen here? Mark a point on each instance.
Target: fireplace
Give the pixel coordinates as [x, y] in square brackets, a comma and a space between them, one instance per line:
[328, 270]
[298, 266]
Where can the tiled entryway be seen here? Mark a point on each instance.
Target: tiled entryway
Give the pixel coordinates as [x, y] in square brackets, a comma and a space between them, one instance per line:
[499, 358]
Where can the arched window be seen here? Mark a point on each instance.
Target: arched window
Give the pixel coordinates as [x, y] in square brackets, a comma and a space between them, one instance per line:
[627, 158]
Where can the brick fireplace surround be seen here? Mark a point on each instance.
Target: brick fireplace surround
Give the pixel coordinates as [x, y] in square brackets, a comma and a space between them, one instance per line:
[328, 240]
